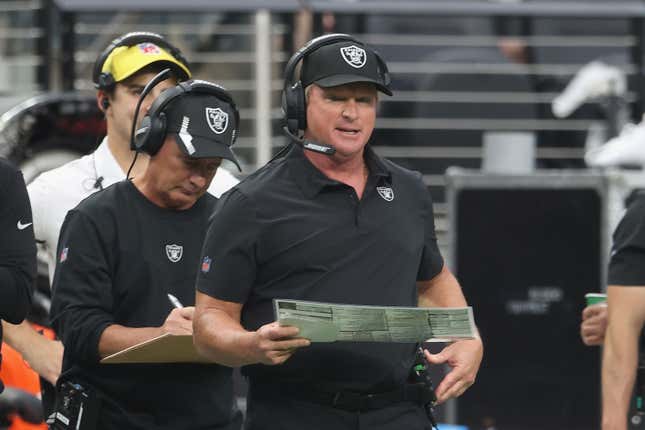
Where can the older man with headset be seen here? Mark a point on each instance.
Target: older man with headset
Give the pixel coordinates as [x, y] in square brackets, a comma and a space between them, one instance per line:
[328, 221]
[123, 253]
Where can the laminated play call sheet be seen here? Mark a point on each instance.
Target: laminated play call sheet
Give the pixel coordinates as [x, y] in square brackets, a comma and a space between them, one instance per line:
[330, 322]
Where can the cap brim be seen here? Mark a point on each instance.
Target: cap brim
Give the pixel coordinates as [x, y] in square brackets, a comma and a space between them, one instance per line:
[207, 148]
[335, 80]
[179, 69]
[126, 62]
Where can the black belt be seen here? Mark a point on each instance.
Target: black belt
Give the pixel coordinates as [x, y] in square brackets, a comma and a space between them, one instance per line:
[347, 400]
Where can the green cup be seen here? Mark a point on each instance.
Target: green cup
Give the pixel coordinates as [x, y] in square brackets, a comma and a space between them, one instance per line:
[595, 298]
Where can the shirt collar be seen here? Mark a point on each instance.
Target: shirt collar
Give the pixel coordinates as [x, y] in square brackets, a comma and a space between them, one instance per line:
[106, 165]
[377, 166]
[311, 180]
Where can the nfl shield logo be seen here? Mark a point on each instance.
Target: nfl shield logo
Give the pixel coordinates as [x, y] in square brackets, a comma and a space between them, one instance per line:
[206, 264]
[354, 56]
[174, 252]
[217, 120]
[149, 48]
[63, 255]
[386, 192]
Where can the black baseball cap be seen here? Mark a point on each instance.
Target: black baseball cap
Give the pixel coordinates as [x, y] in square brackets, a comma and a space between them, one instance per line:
[204, 126]
[342, 63]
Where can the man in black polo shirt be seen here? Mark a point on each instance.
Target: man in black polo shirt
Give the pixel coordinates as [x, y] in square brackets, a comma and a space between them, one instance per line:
[124, 252]
[333, 223]
[17, 247]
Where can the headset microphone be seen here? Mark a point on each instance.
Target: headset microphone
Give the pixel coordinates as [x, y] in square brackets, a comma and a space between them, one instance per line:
[98, 184]
[161, 76]
[310, 145]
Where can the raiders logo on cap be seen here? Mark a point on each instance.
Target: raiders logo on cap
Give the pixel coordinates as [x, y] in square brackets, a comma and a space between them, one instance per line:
[354, 56]
[217, 119]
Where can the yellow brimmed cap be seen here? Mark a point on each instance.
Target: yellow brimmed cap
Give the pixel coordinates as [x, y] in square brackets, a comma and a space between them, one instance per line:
[124, 61]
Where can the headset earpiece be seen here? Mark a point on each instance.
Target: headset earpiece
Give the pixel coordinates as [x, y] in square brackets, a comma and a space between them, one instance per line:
[105, 103]
[294, 107]
[105, 81]
[151, 134]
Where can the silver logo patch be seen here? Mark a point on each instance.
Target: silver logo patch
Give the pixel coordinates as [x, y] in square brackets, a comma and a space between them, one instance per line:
[217, 120]
[354, 56]
[174, 252]
[386, 192]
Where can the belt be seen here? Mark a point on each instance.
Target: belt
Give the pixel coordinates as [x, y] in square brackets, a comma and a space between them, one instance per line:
[346, 400]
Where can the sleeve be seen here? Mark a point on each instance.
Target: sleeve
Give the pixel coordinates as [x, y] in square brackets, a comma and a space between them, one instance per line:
[17, 247]
[82, 296]
[228, 261]
[431, 259]
[48, 211]
[38, 196]
[628, 251]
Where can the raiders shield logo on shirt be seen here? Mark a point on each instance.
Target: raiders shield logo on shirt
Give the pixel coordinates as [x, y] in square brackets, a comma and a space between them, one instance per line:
[386, 192]
[217, 120]
[354, 56]
[174, 252]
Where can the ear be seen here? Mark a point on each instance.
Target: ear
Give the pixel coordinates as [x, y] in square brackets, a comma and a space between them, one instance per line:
[102, 101]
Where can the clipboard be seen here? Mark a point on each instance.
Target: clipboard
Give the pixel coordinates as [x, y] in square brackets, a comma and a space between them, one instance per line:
[167, 348]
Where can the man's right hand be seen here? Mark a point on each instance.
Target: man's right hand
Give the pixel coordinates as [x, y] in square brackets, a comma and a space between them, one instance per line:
[274, 344]
[594, 324]
[179, 321]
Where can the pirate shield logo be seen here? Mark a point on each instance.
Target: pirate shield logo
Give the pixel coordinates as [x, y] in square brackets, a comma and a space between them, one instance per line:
[354, 56]
[174, 252]
[217, 120]
[386, 192]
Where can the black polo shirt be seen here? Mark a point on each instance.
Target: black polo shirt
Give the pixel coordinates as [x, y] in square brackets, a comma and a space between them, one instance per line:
[626, 266]
[119, 255]
[288, 231]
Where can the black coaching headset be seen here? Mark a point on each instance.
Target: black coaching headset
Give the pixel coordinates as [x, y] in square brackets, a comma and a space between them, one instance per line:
[105, 80]
[151, 134]
[294, 104]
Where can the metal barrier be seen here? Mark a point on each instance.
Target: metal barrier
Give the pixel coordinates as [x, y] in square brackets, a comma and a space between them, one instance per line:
[23, 61]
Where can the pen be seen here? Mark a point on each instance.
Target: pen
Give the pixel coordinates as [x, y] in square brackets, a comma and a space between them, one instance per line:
[175, 301]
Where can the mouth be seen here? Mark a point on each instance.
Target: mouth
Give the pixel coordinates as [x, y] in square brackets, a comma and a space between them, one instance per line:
[348, 131]
[190, 192]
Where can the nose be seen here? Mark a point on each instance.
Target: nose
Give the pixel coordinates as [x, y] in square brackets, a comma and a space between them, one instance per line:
[350, 110]
[198, 179]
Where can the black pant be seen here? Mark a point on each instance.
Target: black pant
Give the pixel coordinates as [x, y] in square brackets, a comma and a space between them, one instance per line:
[268, 409]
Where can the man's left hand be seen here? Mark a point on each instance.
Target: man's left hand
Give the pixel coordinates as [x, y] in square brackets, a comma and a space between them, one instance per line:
[464, 357]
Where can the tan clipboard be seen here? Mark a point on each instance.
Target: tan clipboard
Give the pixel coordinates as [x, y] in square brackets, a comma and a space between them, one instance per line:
[167, 348]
